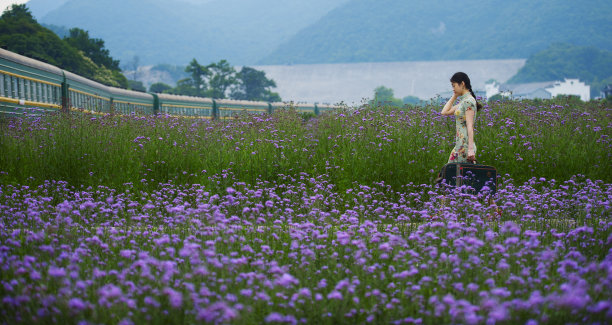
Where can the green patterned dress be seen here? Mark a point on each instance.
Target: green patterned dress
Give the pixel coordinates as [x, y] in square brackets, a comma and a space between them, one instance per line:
[460, 151]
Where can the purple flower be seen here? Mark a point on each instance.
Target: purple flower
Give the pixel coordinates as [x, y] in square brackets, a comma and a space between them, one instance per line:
[76, 304]
[286, 280]
[57, 272]
[110, 291]
[275, 317]
[174, 297]
[219, 312]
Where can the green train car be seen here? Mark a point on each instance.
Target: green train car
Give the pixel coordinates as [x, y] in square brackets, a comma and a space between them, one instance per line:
[34, 87]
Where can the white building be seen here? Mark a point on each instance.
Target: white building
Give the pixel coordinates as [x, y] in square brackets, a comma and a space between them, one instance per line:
[544, 90]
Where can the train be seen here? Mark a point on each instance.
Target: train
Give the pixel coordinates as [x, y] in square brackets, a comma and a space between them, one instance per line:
[26, 83]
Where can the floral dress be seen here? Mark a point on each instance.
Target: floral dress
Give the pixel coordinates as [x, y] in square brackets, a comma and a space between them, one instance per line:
[460, 152]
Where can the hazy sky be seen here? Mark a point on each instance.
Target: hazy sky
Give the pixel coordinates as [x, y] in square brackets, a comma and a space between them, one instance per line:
[6, 3]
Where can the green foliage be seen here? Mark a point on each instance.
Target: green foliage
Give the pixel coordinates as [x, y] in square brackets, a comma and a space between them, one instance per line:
[497, 97]
[398, 147]
[20, 33]
[60, 31]
[253, 85]
[185, 87]
[136, 85]
[399, 30]
[219, 79]
[92, 47]
[383, 97]
[198, 81]
[589, 64]
[159, 87]
[412, 100]
[571, 100]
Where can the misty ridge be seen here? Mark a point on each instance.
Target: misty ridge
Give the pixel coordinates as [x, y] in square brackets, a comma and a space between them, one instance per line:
[321, 50]
[272, 32]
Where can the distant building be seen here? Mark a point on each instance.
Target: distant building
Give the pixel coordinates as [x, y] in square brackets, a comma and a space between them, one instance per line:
[543, 90]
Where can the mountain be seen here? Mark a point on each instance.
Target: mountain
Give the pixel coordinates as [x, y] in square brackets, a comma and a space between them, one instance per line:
[22, 34]
[559, 61]
[174, 32]
[399, 30]
[40, 8]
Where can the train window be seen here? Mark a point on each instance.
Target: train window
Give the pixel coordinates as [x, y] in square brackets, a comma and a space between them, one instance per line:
[20, 91]
[11, 86]
[26, 89]
[32, 85]
[44, 93]
[2, 85]
[8, 87]
[39, 92]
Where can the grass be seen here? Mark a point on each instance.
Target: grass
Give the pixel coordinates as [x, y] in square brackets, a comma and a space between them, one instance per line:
[396, 147]
[326, 220]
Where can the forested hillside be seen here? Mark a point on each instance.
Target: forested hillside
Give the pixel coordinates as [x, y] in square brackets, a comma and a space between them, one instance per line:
[174, 32]
[559, 61]
[77, 53]
[398, 30]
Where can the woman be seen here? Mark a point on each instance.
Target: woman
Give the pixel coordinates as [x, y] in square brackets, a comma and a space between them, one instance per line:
[465, 114]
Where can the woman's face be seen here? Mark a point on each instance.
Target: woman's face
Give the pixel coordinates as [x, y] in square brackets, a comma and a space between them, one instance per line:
[458, 89]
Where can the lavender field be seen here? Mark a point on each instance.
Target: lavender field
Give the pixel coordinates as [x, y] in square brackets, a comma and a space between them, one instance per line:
[285, 220]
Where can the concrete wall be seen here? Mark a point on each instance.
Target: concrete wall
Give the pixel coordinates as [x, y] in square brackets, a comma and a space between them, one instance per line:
[571, 87]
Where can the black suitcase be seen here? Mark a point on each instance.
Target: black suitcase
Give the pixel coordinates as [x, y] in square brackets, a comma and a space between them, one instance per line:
[474, 175]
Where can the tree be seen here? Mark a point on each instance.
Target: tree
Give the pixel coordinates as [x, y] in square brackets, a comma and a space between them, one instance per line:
[497, 97]
[159, 87]
[136, 85]
[199, 75]
[20, 33]
[253, 85]
[92, 48]
[383, 96]
[412, 100]
[185, 87]
[222, 76]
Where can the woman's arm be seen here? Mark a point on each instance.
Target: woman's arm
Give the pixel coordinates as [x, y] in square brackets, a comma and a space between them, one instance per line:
[449, 109]
[469, 121]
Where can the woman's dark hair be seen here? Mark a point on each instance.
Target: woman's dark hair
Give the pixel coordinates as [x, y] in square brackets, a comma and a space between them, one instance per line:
[460, 77]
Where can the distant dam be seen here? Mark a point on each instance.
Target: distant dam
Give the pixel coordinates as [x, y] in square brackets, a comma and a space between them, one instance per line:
[354, 82]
